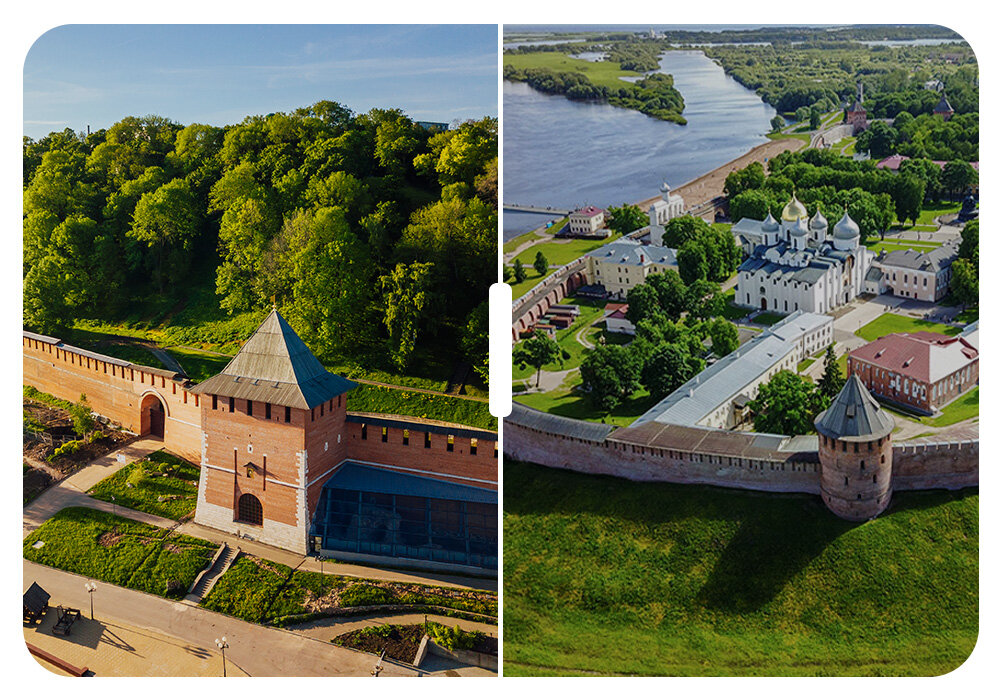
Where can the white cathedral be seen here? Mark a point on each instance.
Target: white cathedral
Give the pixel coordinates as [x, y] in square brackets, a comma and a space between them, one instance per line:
[795, 264]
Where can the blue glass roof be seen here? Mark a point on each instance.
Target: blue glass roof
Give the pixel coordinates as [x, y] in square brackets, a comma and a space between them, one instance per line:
[360, 477]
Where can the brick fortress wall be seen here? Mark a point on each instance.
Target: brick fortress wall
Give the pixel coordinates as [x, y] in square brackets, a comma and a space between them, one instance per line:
[919, 465]
[117, 390]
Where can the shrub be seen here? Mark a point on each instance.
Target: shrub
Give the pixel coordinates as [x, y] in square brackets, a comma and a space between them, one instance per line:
[451, 637]
[360, 594]
[64, 450]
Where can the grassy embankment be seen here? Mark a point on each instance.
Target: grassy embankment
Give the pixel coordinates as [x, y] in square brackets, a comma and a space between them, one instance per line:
[160, 484]
[119, 551]
[607, 576]
[203, 339]
[259, 590]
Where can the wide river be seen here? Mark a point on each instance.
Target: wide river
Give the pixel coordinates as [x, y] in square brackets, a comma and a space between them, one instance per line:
[567, 154]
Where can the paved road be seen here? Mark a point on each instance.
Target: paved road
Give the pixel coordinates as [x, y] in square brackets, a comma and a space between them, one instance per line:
[259, 651]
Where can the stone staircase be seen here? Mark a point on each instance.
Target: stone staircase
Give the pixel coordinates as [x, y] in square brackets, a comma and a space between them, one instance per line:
[224, 557]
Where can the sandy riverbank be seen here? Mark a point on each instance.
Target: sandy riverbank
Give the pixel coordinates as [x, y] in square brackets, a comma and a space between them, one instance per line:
[710, 185]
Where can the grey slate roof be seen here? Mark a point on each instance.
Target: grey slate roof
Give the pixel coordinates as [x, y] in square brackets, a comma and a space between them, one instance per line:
[935, 259]
[874, 274]
[854, 416]
[628, 252]
[550, 423]
[275, 366]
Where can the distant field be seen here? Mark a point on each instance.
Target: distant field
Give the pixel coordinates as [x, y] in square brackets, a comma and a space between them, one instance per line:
[605, 576]
[606, 73]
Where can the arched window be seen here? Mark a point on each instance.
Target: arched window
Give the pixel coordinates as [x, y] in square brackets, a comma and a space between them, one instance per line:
[249, 510]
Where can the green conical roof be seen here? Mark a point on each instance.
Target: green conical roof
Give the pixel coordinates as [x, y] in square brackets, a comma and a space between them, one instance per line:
[275, 366]
[854, 416]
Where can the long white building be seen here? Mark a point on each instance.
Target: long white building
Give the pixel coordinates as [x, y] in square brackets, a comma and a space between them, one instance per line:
[717, 397]
[797, 265]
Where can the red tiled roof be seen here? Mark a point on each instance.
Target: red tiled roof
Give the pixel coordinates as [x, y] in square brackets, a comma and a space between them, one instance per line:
[589, 210]
[893, 163]
[614, 306]
[923, 356]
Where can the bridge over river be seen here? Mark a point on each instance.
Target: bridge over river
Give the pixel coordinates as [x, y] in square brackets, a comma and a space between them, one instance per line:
[529, 209]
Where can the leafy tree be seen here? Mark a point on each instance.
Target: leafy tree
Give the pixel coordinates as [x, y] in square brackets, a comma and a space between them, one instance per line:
[815, 118]
[406, 295]
[541, 265]
[725, 336]
[752, 204]
[83, 420]
[669, 366]
[642, 301]
[777, 123]
[749, 178]
[627, 218]
[927, 171]
[786, 405]
[671, 291]
[909, 196]
[536, 351]
[965, 282]
[957, 176]
[833, 379]
[879, 140]
[682, 229]
[520, 274]
[508, 273]
[610, 373]
[476, 341]
[692, 263]
[968, 249]
[802, 113]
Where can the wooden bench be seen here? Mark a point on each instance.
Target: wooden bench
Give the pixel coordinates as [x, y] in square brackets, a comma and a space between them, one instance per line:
[67, 616]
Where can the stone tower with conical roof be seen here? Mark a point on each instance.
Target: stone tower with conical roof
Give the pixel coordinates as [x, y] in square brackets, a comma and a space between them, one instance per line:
[273, 426]
[855, 454]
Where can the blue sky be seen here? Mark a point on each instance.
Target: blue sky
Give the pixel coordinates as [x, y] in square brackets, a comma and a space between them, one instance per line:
[77, 75]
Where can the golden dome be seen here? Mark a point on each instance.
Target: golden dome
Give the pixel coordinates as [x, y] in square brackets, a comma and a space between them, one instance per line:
[794, 210]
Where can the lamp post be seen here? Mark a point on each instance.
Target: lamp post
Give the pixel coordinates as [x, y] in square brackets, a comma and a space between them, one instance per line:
[223, 645]
[91, 587]
[114, 506]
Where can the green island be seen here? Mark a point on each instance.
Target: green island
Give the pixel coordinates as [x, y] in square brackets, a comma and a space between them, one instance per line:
[579, 79]
[606, 576]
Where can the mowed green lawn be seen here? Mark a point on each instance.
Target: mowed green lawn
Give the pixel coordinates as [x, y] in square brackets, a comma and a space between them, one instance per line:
[607, 576]
[558, 252]
[120, 551]
[894, 323]
[566, 337]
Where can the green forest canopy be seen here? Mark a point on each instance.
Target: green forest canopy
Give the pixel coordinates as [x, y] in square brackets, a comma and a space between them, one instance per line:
[327, 212]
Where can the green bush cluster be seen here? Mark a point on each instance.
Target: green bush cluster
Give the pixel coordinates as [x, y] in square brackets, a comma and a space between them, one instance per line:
[452, 637]
[368, 398]
[247, 588]
[64, 450]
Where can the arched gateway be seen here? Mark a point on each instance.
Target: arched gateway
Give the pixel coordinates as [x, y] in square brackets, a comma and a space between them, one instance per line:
[153, 415]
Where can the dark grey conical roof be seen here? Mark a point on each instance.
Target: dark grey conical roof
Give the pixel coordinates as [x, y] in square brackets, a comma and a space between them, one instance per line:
[854, 415]
[275, 366]
[943, 105]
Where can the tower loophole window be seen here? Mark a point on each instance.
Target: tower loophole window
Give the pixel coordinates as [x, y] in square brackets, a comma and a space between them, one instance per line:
[249, 510]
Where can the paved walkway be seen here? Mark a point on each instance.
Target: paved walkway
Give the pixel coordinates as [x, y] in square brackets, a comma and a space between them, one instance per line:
[116, 649]
[257, 650]
[72, 491]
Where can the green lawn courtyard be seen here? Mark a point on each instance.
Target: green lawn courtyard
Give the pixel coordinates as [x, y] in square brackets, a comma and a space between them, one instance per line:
[161, 484]
[895, 323]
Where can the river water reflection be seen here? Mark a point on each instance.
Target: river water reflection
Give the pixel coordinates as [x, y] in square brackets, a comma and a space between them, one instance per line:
[566, 154]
